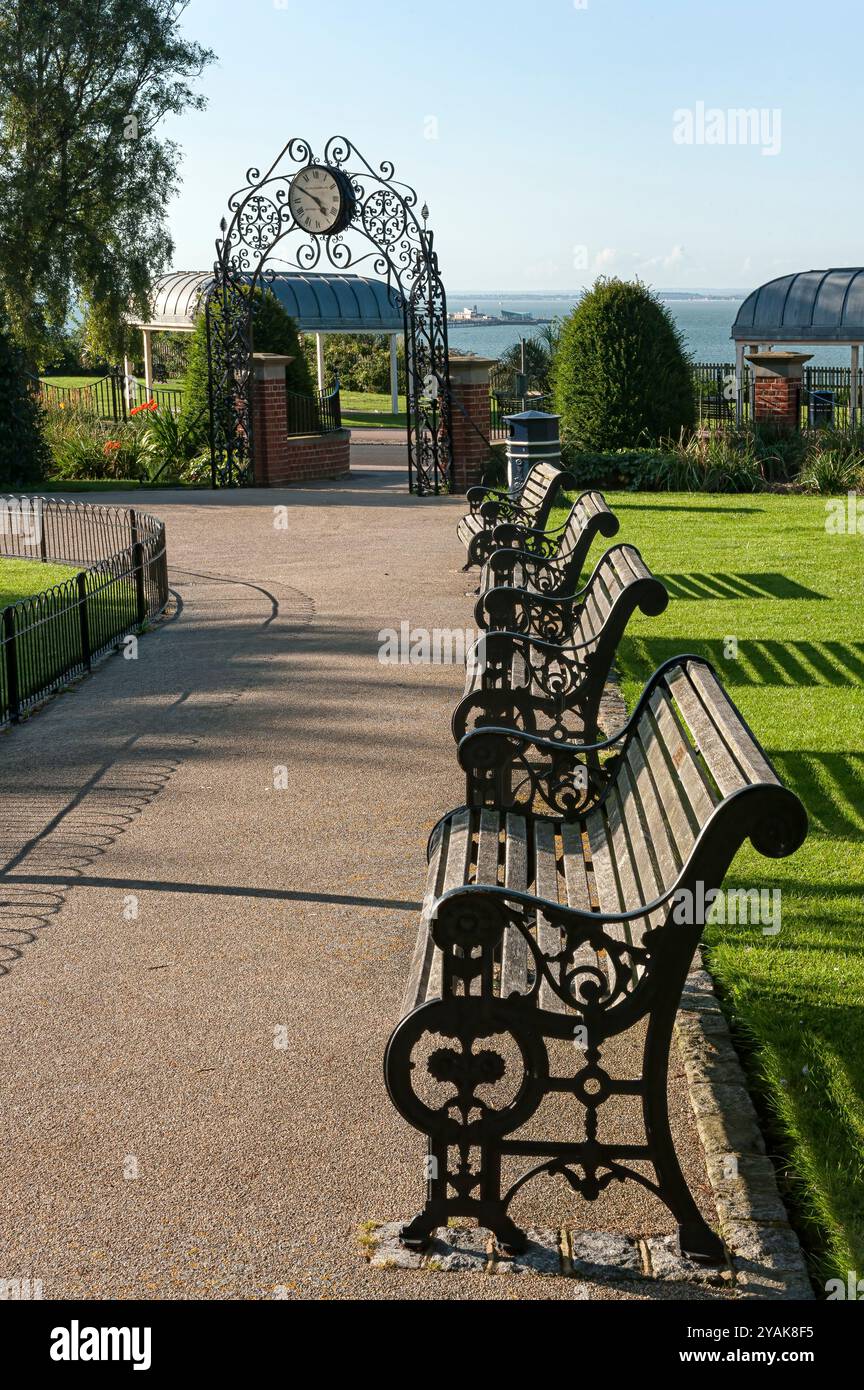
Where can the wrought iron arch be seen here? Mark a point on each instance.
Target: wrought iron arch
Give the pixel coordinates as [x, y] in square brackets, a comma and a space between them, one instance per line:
[402, 253]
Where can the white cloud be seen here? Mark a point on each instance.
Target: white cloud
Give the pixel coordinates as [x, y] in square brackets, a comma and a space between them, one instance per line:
[673, 260]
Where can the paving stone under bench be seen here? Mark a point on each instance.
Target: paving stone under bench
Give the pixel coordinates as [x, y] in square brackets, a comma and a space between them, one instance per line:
[459, 1251]
[385, 1250]
[543, 1255]
[603, 1255]
[666, 1262]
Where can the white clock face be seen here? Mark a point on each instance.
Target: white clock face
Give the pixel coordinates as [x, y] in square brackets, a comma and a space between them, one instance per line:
[317, 200]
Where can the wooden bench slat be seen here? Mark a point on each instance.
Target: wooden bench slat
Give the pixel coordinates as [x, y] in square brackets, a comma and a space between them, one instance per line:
[488, 848]
[643, 757]
[608, 896]
[683, 758]
[673, 808]
[424, 949]
[578, 891]
[455, 875]
[629, 891]
[514, 953]
[749, 757]
[640, 835]
[719, 760]
[546, 880]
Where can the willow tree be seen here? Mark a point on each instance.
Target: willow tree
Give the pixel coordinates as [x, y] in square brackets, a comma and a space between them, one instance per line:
[85, 177]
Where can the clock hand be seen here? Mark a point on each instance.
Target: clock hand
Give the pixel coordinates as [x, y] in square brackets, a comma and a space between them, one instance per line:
[313, 199]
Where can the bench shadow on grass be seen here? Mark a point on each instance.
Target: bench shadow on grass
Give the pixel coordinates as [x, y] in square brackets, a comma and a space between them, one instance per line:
[768, 585]
[758, 662]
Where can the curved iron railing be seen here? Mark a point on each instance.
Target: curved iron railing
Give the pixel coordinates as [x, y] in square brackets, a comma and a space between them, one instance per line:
[318, 414]
[51, 637]
[105, 399]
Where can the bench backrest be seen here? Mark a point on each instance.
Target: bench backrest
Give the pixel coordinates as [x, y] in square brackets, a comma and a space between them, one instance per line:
[539, 490]
[619, 570]
[687, 761]
[584, 509]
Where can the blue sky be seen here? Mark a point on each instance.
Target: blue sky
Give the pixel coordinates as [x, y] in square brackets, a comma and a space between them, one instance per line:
[561, 132]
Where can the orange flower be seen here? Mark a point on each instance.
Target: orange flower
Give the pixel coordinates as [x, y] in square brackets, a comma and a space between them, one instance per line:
[145, 405]
[110, 445]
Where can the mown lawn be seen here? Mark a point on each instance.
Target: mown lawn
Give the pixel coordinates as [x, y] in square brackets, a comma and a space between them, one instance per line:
[48, 641]
[764, 571]
[21, 578]
[369, 410]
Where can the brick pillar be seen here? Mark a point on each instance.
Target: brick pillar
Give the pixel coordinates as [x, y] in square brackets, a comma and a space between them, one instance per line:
[471, 425]
[777, 387]
[269, 414]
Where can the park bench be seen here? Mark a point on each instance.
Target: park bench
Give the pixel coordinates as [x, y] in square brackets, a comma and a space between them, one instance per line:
[553, 576]
[543, 937]
[514, 677]
[562, 616]
[528, 506]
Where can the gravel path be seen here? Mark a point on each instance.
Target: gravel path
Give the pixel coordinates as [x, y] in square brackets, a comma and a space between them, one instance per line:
[202, 969]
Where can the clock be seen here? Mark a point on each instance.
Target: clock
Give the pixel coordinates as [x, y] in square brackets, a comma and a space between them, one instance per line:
[321, 200]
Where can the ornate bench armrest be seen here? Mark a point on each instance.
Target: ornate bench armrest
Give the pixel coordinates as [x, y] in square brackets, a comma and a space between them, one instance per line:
[504, 509]
[511, 536]
[521, 610]
[537, 569]
[476, 496]
[471, 893]
[490, 745]
[501, 644]
[567, 778]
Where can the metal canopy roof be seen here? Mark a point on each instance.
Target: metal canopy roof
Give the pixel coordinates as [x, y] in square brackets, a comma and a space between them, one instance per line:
[319, 303]
[814, 306]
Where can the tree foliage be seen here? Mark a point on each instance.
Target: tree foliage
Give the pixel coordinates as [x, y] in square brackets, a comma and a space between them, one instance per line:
[622, 377]
[273, 330]
[539, 355]
[84, 85]
[361, 361]
[23, 451]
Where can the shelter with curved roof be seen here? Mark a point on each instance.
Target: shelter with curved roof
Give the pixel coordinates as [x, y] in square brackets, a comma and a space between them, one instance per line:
[319, 303]
[823, 308]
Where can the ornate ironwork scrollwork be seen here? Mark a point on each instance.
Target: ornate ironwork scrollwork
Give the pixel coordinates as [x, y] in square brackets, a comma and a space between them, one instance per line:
[385, 235]
[442, 1093]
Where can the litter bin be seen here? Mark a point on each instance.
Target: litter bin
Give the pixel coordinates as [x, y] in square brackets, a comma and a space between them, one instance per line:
[532, 437]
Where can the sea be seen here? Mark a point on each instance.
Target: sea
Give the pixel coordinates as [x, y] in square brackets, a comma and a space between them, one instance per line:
[705, 324]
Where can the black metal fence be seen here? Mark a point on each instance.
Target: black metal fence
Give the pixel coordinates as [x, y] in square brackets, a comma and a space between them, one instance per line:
[106, 399]
[51, 637]
[502, 406]
[825, 394]
[318, 414]
[170, 355]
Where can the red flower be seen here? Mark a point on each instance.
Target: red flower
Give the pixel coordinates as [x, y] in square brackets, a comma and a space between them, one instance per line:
[146, 405]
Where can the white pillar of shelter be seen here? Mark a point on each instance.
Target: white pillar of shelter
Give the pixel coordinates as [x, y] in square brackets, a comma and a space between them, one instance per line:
[148, 362]
[319, 354]
[753, 347]
[739, 380]
[130, 386]
[853, 387]
[394, 372]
